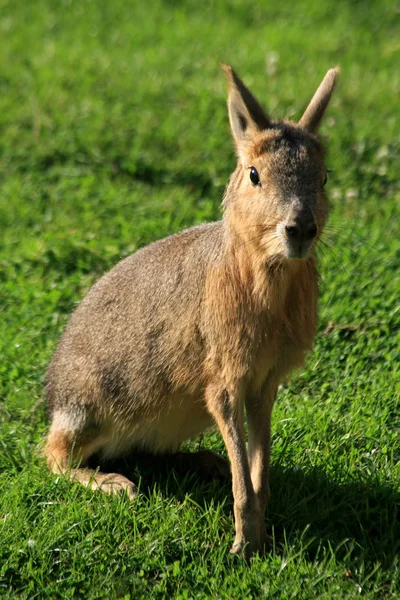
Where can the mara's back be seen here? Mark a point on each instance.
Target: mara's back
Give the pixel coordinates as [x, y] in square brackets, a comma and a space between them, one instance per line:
[136, 344]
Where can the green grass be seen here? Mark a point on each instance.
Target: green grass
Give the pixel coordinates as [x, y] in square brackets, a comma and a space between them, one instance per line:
[114, 133]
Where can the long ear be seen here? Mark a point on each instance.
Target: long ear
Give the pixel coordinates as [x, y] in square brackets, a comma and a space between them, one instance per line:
[315, 110]
[245, 114]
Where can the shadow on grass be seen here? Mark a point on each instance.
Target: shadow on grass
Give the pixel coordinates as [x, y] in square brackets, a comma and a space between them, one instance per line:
[116, 166]
[157, 176]
[360, 519]
[356, 517]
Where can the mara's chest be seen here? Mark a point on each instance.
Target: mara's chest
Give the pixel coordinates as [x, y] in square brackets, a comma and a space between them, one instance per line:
[254, 330]
[277, 356]
[284, 338]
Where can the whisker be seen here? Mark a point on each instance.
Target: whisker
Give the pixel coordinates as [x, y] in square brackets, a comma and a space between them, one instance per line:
[324, 248]
[271, 236]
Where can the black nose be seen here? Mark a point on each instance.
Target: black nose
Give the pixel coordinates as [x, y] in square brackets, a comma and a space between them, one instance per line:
[306, 231]
[293, 231]
[310, 231]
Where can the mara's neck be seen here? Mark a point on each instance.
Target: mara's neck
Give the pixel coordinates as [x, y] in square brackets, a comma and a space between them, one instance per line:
[267, 282]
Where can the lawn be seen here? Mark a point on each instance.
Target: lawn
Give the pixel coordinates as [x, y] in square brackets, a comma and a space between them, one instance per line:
[114, 133]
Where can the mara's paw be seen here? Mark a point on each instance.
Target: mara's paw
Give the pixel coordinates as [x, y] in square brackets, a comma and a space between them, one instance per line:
[237, 547]
[248, 548]
[245, 549]
[113, 483]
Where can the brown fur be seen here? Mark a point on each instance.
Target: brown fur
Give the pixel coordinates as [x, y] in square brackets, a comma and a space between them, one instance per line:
[200, 327]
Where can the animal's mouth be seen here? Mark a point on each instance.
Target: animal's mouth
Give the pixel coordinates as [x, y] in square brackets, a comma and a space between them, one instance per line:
[300, 251]
[297, 240]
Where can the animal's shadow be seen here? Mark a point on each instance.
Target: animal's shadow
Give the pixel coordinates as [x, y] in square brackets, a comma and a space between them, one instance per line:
[357, 519]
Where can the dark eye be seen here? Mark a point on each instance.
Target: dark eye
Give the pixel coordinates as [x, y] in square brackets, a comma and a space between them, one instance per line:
[254, 178]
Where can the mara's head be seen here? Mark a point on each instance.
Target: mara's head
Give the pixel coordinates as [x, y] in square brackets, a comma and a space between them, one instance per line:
[275, 201]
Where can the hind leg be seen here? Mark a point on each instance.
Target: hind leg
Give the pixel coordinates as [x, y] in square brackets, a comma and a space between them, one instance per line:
[68, 446]
[207, 462]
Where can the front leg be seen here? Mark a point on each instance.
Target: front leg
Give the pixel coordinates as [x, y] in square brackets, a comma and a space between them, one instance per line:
[258, 411]
[227, 409]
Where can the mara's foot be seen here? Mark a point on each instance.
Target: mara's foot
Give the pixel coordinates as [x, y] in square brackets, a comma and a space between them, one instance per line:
[110, 483]
[113, 483]
[207, 462]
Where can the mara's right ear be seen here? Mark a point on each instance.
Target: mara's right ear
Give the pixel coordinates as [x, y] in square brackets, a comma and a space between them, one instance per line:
[245, 114]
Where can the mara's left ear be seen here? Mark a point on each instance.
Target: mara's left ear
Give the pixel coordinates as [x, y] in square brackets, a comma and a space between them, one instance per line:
[245, 114]
[315, 110]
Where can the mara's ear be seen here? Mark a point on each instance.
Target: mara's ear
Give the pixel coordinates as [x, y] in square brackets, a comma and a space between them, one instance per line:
[315, 110]
[245, 114]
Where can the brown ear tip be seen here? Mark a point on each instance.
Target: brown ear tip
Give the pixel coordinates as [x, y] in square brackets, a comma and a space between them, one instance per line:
[227, 69]
[334, 72]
